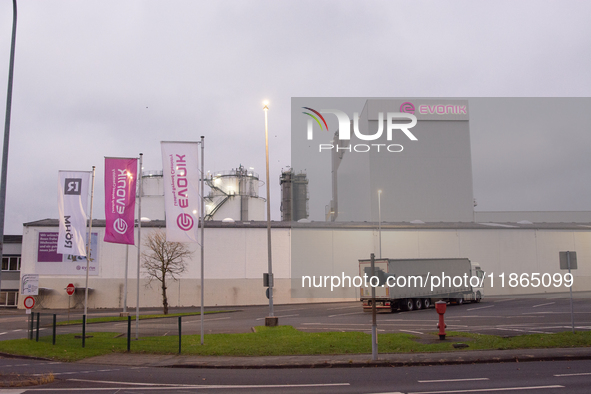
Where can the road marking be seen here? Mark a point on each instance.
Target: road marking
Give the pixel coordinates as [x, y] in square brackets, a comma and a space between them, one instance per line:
[480, 307]
[574, 374]
[430, 321]
[551, 313]
[413, 332]
[549, 303]
[342, 329]
[489, 389]
[156, 386]
[343, 307]
[347, 314]
[506, 299]
[261, 318]
[450, 380]
[289, 310]
[2, 333]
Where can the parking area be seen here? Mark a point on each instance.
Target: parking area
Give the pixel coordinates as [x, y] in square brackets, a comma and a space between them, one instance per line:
[505, 316]
[497, 316]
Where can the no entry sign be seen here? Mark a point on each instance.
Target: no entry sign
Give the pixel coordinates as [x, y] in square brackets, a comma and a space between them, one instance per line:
[29, 302]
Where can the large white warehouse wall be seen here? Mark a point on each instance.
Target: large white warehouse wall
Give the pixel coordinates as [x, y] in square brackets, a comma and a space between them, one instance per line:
[236, 258]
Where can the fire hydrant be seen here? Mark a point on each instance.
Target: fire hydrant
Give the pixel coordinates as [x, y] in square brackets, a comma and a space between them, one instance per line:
[440, 307]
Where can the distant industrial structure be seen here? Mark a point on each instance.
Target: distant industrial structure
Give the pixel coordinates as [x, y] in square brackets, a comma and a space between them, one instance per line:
[294, 196]
[234, 195]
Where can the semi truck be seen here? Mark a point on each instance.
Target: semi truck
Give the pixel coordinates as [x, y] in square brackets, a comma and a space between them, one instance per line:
[411, 284]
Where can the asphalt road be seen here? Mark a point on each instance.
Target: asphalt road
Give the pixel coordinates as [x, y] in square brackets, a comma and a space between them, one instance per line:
[498, 316]
[563, 377]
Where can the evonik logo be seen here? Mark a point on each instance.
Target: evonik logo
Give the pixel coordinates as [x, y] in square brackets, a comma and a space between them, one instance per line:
[345, 129]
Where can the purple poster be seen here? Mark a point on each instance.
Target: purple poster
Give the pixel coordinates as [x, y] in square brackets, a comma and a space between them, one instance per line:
[47, 251]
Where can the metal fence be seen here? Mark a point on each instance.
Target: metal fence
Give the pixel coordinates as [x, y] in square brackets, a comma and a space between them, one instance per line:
[46, 327]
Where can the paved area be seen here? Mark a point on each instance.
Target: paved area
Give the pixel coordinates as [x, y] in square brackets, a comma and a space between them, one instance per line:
[342, 361]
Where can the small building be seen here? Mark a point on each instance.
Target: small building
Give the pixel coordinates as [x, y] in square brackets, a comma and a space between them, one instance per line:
[11, 270]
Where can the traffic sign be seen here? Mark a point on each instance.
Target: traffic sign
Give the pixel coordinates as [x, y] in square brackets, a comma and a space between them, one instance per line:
[29, 302]
[70, 289]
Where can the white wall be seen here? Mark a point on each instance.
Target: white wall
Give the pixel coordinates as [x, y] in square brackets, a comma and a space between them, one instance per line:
[236, 258]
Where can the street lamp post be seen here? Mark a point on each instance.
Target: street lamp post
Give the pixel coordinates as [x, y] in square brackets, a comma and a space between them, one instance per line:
[7, 134]
[380, 223]
[271, 320]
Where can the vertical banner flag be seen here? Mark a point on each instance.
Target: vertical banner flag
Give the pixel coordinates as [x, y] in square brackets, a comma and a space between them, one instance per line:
[120, 180]
[180, 166]
[72, 205]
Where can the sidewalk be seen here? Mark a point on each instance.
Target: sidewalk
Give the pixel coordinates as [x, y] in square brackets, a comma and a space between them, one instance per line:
[342, 361]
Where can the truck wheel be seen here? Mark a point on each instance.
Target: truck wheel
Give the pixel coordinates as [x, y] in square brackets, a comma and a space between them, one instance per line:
[478, 296]
[418, 303]
[408, 305]
[460, 300]
[426, 303]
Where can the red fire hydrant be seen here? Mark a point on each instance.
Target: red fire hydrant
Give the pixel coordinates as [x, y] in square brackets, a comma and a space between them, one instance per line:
[440, 307]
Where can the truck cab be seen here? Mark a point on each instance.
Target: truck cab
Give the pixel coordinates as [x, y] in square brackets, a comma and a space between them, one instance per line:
[477, 291]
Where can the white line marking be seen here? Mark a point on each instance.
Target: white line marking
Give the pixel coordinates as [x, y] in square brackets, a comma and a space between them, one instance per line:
[549, 303]
[480, 307]
[218, 318]
[343, 307]
[450, 380]
[153, 386]
[430, 321]
[289, 310]
[2, 333]
[261, 318]
[489, 389]
[413, 332]
[506, 299]
[574, 374]
[346, 314]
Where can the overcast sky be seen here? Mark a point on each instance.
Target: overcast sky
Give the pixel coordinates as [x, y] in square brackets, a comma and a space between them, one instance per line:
[113, 78]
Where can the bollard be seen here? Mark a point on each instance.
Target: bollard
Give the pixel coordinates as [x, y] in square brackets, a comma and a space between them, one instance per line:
[128, 333]
[440, 307]
[54, 328]
[180, 336]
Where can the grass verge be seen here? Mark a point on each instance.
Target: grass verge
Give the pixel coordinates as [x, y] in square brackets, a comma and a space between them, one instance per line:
[280, 341]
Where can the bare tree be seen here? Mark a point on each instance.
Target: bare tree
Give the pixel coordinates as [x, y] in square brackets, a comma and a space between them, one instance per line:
[164, 259]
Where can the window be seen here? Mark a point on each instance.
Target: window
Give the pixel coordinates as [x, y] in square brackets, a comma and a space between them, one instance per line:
[9, 298]
[11, 263]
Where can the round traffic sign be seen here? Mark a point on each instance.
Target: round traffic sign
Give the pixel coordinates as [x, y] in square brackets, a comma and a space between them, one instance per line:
[70, 289]
[29, 302]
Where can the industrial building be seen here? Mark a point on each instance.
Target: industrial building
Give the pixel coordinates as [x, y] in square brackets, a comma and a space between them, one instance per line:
[429, 213]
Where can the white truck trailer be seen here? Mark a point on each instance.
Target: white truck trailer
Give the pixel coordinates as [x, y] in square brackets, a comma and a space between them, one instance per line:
[410, 284]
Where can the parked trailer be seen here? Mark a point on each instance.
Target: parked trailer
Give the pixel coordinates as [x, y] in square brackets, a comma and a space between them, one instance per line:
[410, 284]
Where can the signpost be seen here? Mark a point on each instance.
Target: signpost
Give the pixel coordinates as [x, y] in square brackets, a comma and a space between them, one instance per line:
[29, 304]
[70, 289]
[568, 260]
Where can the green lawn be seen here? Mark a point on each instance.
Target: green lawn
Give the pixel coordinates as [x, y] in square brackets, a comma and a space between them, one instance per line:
[278, 341]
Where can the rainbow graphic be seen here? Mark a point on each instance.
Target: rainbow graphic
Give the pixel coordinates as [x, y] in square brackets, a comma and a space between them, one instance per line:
[315, 118]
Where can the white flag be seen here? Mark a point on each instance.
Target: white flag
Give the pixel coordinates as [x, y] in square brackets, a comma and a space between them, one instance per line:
[180, 164]
[72, 204]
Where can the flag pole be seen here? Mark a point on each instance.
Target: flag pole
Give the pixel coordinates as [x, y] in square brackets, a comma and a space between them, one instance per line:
[202, 231]
[88, 244]
[139, 247]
